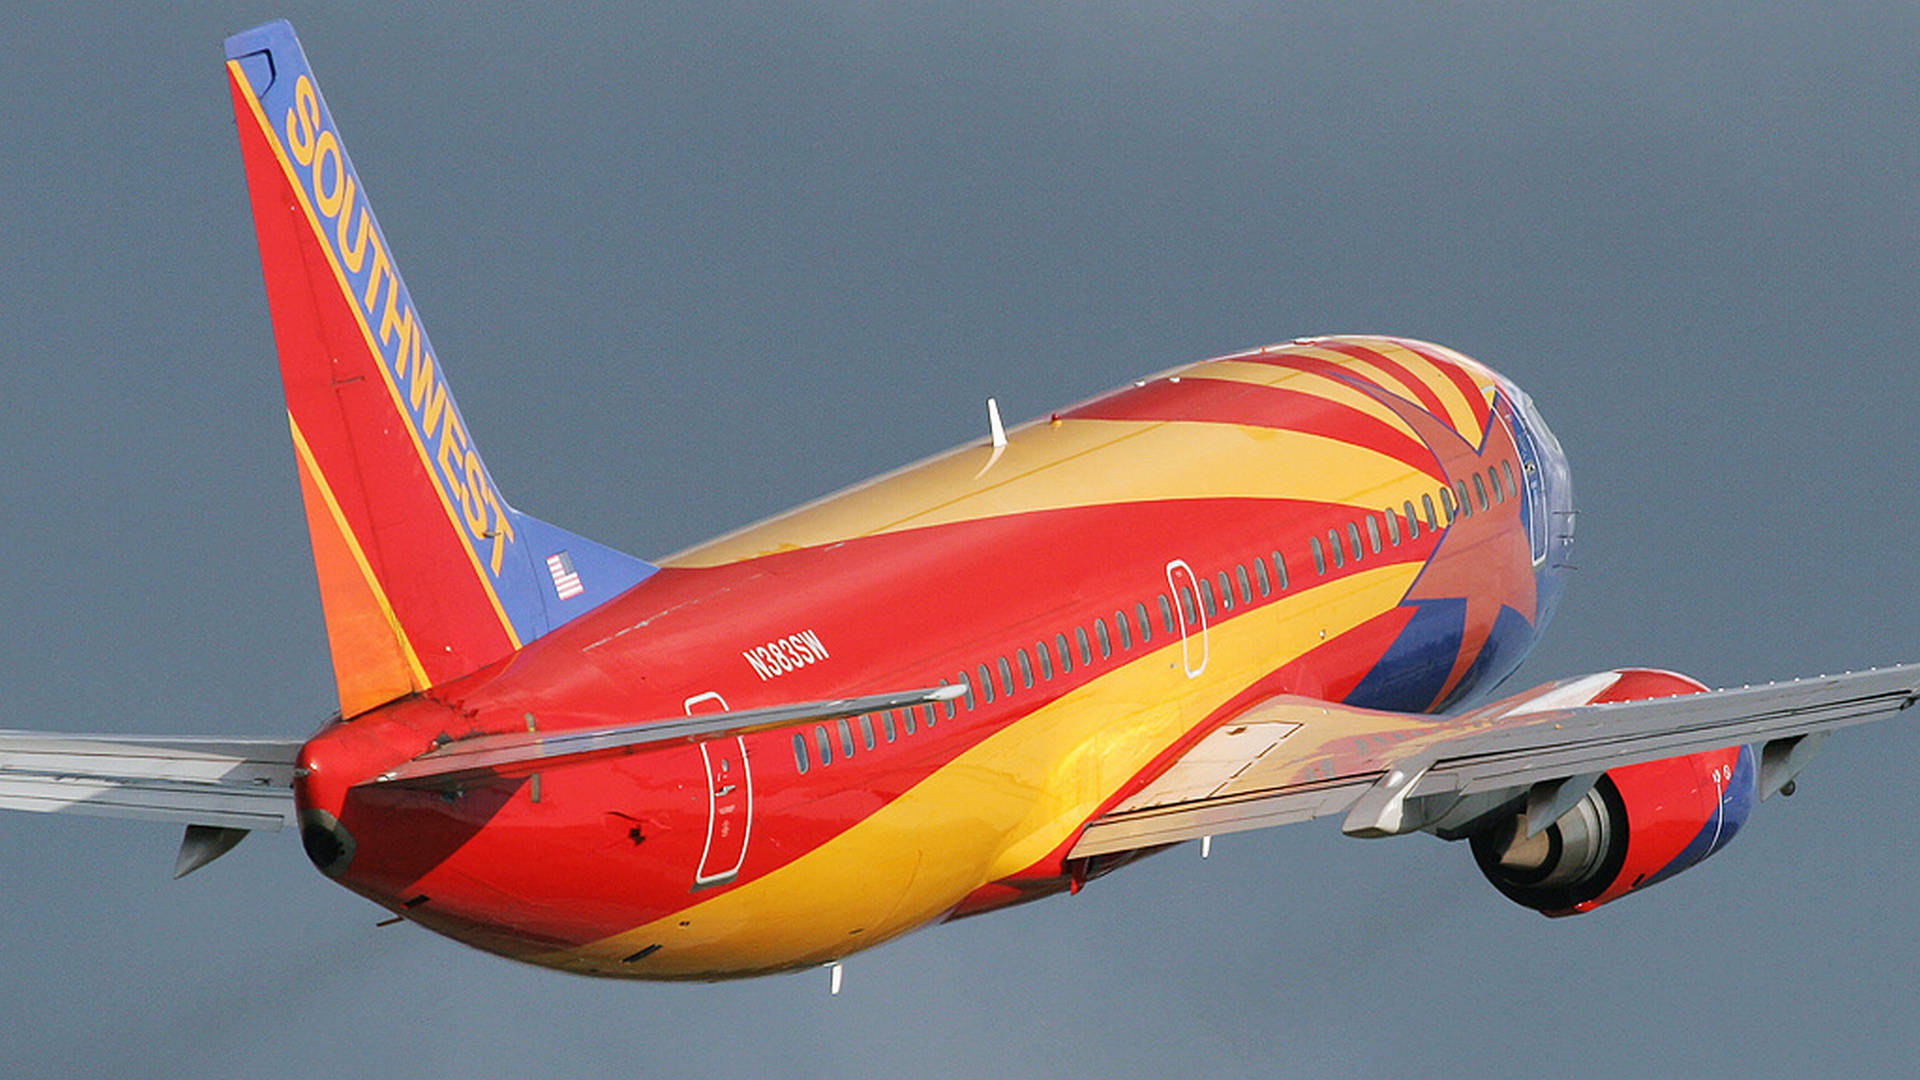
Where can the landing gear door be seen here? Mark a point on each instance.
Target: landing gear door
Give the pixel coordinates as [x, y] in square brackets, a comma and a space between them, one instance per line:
[729, 800]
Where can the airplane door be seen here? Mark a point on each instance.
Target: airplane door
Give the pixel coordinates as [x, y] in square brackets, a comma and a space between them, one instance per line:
[729, 800]
[1185, 590]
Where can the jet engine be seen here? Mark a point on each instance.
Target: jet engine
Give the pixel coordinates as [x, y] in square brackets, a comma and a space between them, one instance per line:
[1633, 827]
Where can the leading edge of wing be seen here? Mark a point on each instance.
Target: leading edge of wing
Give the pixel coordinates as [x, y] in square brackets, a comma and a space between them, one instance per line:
[1507, 746]
[213, 782]
[519, 753]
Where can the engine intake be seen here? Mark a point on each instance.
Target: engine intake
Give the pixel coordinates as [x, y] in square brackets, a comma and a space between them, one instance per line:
[1638, 826]
[1566, 864]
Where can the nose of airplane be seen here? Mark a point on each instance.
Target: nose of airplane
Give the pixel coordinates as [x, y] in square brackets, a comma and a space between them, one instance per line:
[1548, 509]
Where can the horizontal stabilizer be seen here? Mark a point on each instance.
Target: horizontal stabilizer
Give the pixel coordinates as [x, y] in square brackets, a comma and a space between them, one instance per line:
[521, 752]
[221, 783]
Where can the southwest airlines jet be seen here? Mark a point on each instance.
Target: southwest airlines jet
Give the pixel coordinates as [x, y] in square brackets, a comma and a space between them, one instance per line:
[1268, 587]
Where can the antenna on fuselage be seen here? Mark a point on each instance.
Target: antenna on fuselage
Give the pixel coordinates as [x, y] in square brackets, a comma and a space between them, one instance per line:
[997, 435]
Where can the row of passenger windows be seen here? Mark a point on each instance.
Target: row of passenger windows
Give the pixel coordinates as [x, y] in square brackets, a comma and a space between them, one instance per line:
[1046, 660]
[1345, 545]
[1004, 676]
[890, 724]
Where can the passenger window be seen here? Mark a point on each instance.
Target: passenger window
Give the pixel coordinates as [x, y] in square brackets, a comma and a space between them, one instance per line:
[1506, 469]
[1080, 638]
[1493, 481]
[1046, 659]
[846, 739]
[1100, 634]
[967, 682]
[1240, 579]
[1206, 596]
[1373, 534]
[1393, 527]
[1260, 575]
[800, 761]
[1280, 570]
[1187, 606]
[823, 744]
[1446, 503]
[1142, 625]
[1226, 593]
[886, 722]
[986, 685]
[1166, 613]
[1026, 669]
[1060, 653]
[1333, 542]
[906, 715]
[866, 730]
[1353, 541]
[1006, 676]
[1319, 555]
[1433, 522]
[1479, 492]
[927, 714]
[1126, 634]
[1413, 523]
[1460, 500]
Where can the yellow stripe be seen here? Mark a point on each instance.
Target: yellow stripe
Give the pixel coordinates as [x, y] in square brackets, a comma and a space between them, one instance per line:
[1305, 382]
[300, 447]
[426, 460]
[1459, 409]
[998, 808]
[1366, 369]
[1078, 463]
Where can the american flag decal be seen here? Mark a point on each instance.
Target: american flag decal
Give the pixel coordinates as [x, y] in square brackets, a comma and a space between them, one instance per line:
[566, 582]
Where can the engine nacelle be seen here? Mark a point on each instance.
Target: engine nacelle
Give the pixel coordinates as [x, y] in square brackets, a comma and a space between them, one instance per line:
[1639, 825]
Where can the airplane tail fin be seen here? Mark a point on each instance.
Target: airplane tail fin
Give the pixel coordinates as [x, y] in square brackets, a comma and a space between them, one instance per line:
[426, 573]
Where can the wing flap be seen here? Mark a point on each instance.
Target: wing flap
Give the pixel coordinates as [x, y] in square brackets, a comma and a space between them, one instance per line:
[1339, 756]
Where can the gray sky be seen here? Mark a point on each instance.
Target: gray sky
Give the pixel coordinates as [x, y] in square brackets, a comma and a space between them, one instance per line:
[688, 264]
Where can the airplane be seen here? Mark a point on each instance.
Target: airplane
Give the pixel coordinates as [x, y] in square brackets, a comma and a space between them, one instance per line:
[1269, 587]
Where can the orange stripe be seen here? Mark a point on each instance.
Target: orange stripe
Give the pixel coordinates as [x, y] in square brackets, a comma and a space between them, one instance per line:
[373, 662]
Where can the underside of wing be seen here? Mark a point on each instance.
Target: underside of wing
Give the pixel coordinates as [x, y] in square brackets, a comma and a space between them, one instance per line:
[220, 789]
[230, 783]
[1290, 759]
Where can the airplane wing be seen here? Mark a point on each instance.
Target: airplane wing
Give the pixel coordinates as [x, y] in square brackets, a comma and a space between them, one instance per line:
[519, 753]
[1291, 759]
[218, 788]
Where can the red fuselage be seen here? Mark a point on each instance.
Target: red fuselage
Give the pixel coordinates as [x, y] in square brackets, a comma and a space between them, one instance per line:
[1365, 520]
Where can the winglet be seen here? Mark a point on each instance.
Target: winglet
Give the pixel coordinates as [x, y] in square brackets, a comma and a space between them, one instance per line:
[426, 573]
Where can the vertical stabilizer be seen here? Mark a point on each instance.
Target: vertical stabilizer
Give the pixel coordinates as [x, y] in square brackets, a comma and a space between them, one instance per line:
[425, 572]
